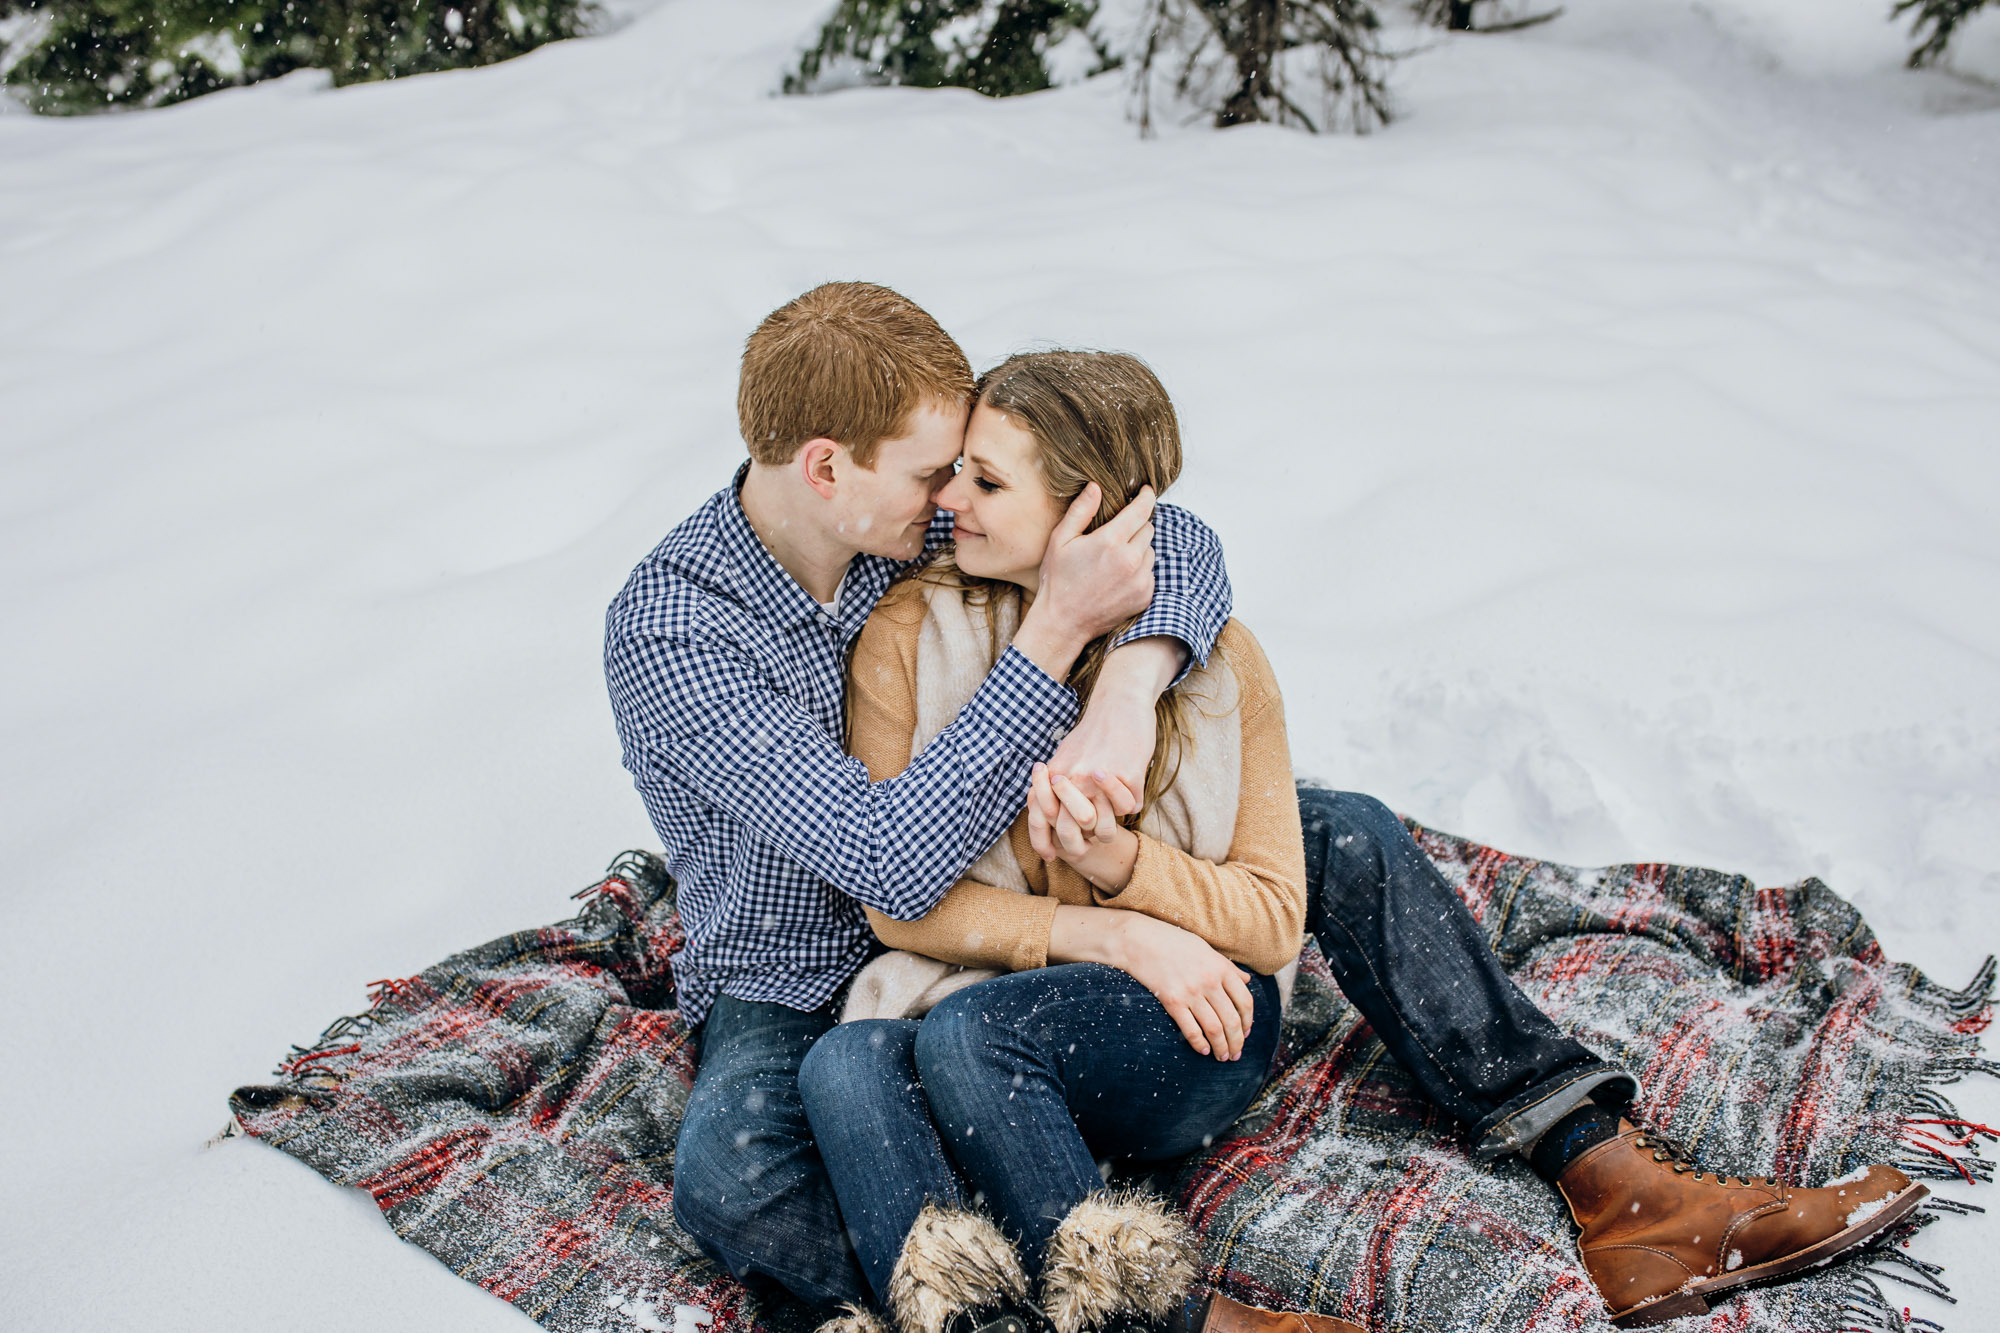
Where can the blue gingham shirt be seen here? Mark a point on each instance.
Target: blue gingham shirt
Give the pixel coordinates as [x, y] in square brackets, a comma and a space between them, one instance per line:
[726, 681]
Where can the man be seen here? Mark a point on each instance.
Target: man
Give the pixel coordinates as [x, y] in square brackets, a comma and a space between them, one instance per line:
[724, 656]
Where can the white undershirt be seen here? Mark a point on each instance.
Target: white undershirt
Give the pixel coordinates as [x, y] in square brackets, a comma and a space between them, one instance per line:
[832, 608]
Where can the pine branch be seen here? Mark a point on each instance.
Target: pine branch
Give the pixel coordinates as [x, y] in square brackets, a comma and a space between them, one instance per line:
[1942, 17]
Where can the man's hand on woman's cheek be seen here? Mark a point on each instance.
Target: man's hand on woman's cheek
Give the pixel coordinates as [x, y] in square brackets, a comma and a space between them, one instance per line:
[1090, 583]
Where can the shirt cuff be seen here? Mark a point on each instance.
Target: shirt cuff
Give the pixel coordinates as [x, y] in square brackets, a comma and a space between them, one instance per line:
[1024, 706]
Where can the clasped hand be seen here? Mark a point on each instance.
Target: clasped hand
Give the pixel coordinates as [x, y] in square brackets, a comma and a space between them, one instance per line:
[1081, 828]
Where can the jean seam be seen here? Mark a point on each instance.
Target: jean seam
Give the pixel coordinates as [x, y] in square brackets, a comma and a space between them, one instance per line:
[1408, 1028]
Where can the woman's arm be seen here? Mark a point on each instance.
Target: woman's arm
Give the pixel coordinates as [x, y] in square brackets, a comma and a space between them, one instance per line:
[1251, 908]
[976, 925]
[1203, 992]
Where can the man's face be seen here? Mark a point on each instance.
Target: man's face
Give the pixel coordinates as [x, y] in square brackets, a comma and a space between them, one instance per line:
[884, 510]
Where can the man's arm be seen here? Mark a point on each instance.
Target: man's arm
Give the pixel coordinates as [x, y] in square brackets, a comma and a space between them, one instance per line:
[1191, 594]
[1191, 603]
[1118, 729]
[701, 718]
[700, 715]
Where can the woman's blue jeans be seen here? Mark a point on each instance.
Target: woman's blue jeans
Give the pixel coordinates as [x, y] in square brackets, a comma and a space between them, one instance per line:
[1007, 1094]
[750, 1186]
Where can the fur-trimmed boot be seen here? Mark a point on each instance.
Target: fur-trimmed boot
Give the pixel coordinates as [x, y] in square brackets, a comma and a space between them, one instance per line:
[958, 1274]
[1121, 1262]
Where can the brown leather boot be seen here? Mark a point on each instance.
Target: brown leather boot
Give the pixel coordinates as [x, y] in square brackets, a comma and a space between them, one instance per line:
[1226, 1316]
[1661, 1237]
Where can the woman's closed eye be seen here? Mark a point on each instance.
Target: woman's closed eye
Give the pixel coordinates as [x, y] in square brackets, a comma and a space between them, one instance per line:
[986, 484]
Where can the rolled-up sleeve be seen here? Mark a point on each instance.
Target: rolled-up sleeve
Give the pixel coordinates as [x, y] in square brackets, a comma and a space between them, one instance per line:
[1191, 593]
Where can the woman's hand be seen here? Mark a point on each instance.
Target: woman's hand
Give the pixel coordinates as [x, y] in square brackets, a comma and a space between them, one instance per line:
[1082, 829]
[1203, 992]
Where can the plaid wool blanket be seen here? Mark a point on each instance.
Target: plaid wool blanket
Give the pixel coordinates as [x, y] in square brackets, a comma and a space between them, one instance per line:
[513, 1109]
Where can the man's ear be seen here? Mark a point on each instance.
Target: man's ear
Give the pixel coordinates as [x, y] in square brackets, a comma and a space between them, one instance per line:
[820, 462]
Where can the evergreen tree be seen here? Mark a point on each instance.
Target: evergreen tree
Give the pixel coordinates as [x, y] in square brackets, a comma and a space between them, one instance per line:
[69, 56]
[1942, 17]
[1457, 16]
[995, 47]
[1311, 63]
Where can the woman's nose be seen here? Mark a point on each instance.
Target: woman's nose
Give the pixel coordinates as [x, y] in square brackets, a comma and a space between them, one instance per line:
[952, 495]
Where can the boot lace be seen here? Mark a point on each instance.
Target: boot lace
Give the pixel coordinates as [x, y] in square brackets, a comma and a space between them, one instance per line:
[1666, 1150]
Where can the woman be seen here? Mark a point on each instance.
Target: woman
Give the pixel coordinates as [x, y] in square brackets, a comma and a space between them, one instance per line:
[1121, 947]
[1101, 987]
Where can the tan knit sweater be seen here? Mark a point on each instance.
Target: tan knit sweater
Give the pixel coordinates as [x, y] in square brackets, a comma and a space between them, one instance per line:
[1251, 908]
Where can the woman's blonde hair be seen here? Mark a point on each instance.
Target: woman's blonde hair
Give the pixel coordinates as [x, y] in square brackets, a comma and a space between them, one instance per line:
[1095, 416]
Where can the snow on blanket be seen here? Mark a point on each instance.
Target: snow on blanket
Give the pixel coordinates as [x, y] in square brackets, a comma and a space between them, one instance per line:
[513, 1109]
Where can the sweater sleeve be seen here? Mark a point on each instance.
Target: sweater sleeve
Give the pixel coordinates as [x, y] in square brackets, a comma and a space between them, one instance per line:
[1251, 908]
[975, 924]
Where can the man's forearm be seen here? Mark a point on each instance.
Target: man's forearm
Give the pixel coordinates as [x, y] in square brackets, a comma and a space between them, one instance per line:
[1116, 733]
[1141, 671]
[699, 720]
[1050, 646]
[1191, 595]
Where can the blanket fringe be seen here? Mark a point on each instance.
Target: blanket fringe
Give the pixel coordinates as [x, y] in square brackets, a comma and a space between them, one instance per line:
[1938, 1143]
[303, 1067]
[1976, 997]
[1937, 1203]
[619, 885]
[305, 1074]
[1916, 1273]
[1869, 1311]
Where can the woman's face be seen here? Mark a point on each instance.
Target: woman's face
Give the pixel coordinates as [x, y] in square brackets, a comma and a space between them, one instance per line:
[1002, 512]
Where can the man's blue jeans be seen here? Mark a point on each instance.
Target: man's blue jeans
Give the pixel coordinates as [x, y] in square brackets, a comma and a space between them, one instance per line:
[1418, 966]
[1007, 1093]
[751, 1187]
[748, 1183]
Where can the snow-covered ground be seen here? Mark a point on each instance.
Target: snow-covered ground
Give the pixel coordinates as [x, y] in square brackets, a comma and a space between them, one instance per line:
[1608, 455]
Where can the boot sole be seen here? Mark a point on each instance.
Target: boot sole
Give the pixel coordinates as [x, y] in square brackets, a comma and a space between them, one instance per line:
[1694, 1299]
